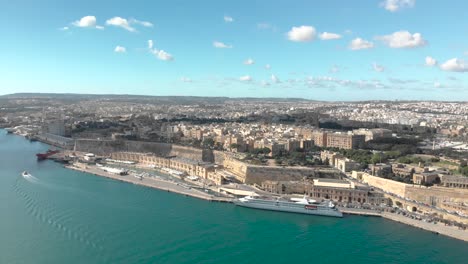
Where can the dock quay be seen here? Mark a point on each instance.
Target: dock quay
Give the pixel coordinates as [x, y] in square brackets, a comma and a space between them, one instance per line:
[153, 183]
[363, 212]
[438, 228]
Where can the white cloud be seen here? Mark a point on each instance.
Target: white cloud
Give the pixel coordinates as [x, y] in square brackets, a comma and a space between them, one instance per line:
[87, 21]
[455, 65]
[186, 79]
[221, 45]
[437, 85]
[395, 5]
[120, 49]
[120, 22]
[249, 61]
[275, 79]
[302, 34]
[64, 28]
[265, 83]
[430, 61]
[329, 36]
[348, 31]
[245, 78]
[403, 39]
[143, 23]
[228, 19]
[359, 44]
[377, 67]
[100, 27]
[162, 55]
[267, 66]
[466, 53]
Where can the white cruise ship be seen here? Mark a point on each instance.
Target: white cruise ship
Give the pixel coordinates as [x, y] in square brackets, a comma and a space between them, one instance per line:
[302, 206]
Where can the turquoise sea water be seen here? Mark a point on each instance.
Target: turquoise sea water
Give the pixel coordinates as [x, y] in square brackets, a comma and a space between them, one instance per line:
[63, 216]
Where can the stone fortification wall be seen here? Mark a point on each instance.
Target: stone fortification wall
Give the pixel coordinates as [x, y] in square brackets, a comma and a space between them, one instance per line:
[105, 147]
[436, 194]
[428, 195]
[395, 187]
[99, 147]
[252, 174]
[236, 167]
[258, 174]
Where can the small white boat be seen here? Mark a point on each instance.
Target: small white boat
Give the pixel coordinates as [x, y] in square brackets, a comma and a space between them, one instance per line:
[26, 174]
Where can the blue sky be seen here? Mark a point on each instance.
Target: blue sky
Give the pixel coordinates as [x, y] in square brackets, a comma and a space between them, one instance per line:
[381, 49]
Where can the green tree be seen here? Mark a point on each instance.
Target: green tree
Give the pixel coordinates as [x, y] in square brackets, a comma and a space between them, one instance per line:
[234, 145]
[208, 142]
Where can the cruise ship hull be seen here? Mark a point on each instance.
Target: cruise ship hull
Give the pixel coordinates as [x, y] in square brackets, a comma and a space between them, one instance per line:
[291, 208]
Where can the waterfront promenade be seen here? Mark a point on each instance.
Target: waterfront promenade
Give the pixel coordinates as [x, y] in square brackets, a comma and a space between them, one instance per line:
[152, 183]
[438, 228]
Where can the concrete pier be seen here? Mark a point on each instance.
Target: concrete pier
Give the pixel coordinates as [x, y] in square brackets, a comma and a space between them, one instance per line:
[152, 183]
[364, 212]
[438, 228]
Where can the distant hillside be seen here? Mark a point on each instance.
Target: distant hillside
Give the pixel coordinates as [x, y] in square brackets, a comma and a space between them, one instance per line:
[146, 98]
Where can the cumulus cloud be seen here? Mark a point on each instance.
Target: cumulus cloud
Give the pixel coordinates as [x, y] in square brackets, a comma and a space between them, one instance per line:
[221, 45]
[120, 22]
[437, 85]
[377, 67]
[275, 79]
[430, 61]
[302, 34]
[403, 39]
[265, 83]
[359, 44]
[455, 65]
[245, 78]
[228, 19]
[249, 61]
[64, 28]
[267, 66]
[86, 21]
[186, 79]
[120, 49]
[395, 5]
[160, 54]
[329, 36]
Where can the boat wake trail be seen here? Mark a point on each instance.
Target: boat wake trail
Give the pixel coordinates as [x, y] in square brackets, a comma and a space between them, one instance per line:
[48, 214]
[31, 178]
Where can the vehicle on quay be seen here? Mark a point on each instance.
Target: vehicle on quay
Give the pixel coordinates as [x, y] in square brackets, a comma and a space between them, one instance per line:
[302, 206]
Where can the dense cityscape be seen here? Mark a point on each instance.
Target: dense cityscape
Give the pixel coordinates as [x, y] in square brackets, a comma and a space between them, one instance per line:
[384, 158]
[233, 132]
